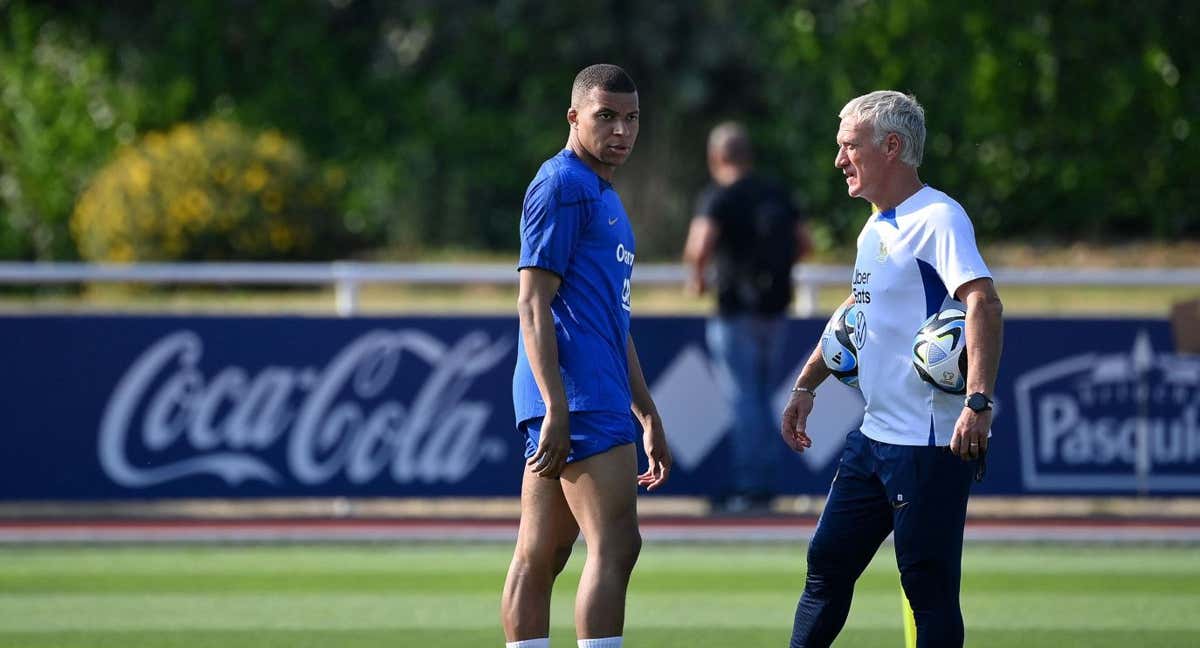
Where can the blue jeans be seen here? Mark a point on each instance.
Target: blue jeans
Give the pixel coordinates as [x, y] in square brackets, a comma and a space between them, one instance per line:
[920, 494]
[748, 352]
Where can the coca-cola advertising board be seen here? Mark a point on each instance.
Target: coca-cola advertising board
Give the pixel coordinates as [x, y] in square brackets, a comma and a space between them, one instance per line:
[131, 407]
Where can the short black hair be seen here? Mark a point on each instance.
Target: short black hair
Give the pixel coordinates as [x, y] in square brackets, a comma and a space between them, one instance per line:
[609, 78]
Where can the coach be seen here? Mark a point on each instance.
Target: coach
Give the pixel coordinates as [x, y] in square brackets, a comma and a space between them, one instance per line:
[909, 468]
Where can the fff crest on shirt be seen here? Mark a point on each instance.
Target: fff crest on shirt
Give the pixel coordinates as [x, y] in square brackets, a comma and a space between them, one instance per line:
[882, 254]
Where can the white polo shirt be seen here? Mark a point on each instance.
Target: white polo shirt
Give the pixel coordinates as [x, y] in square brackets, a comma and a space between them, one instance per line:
[910, 259]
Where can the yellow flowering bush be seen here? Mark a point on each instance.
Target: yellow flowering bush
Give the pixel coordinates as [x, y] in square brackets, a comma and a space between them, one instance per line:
[210, 191]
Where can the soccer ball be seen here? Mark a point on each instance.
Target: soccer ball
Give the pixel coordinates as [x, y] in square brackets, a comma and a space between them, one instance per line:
[843, 336]
[939, 352]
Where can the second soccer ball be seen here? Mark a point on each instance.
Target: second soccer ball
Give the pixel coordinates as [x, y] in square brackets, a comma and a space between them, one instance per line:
[939, 352]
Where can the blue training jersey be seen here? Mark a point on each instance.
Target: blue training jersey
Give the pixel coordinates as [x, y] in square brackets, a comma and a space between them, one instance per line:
[573, 224]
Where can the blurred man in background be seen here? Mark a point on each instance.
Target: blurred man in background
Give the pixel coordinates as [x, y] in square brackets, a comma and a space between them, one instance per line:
[749, 228]
[909, 468]
[578, 377]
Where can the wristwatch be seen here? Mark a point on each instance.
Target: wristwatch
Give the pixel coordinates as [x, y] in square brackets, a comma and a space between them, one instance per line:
[978, 402]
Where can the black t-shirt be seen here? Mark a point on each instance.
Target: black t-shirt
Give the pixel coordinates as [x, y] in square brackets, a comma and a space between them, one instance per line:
[756, 246]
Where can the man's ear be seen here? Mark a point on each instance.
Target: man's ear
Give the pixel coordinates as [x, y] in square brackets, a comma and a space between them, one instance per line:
[891, 146]
[572, 116]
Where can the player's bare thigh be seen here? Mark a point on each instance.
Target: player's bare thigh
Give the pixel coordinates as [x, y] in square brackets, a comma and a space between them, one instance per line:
[602, 493]
[548, 528]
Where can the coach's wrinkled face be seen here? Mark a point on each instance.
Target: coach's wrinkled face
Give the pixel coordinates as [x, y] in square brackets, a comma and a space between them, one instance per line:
[606, 125]
[860, 160]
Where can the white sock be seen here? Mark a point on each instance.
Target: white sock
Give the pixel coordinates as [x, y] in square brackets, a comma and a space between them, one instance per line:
[544, 642]
[604, 642]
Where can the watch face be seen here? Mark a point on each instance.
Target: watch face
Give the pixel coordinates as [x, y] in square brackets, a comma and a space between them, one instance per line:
[978, 402]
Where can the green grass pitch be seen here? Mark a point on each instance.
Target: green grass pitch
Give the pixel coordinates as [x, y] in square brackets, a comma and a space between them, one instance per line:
[738, 595]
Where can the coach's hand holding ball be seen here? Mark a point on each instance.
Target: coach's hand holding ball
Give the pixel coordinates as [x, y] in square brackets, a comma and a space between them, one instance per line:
[939, 356]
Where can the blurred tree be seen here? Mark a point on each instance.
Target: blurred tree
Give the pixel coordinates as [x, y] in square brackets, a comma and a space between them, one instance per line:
[60, 116]
[1063, 120]
[440, 112]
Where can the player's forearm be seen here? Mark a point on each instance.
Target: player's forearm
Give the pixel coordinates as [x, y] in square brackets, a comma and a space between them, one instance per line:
[985, 339]
[541, 348]
[643, 403]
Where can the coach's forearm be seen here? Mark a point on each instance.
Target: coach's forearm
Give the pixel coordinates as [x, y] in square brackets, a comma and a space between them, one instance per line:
[541, 348]
[985, 339]
[815, 371]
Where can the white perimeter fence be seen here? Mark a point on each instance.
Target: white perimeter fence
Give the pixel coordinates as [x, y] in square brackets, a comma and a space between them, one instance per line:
[347, 277]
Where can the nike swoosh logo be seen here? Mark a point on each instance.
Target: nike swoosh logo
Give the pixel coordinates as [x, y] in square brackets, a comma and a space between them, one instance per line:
[613, 220]
[896, 506]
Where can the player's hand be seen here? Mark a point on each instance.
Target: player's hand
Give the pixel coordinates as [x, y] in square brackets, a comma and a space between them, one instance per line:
[553, 447]
[658, 455]
[695, 286]
[795, 421]
[970, 438]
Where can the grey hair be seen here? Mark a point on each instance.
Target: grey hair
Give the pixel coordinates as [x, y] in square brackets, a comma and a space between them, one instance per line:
[888, 111]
